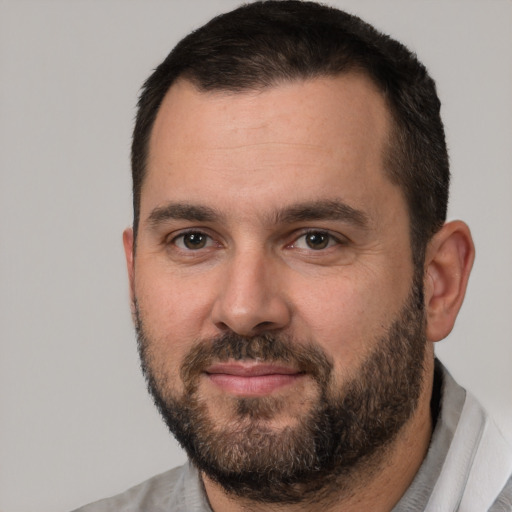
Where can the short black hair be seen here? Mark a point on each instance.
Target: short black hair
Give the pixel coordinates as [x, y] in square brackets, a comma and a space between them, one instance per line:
[264, 43]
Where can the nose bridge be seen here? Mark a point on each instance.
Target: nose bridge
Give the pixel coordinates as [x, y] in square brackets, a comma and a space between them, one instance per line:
[249, 298]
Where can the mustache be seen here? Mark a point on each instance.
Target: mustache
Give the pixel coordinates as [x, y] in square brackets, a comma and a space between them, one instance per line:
[267, 347]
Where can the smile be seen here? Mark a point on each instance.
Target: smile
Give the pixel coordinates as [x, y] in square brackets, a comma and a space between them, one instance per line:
[253, 379]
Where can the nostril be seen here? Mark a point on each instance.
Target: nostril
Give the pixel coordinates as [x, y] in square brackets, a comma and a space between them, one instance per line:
[222, 326]
[246, 330]
[262, 326]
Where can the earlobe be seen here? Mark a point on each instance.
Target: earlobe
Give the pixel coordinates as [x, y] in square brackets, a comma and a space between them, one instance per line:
[449, 259]
[129, 255]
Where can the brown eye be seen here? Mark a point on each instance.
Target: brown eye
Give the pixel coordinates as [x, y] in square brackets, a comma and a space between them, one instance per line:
[192, 241]
[317, 240]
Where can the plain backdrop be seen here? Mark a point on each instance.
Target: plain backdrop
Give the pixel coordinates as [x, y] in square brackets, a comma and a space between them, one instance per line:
[76, 423]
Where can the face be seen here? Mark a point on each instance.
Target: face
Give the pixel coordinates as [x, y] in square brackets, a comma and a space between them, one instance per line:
[273, 280]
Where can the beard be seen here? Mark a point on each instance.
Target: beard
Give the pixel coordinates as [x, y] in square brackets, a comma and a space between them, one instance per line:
[344, 433]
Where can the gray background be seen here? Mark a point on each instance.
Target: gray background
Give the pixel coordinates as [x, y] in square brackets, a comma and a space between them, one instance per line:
[76, 424]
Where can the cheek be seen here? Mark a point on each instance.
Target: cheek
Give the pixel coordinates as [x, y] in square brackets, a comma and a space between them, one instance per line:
[171, 300]
[346, 318]
[173, 312]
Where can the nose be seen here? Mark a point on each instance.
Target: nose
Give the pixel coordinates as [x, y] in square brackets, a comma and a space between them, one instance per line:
[250, 298]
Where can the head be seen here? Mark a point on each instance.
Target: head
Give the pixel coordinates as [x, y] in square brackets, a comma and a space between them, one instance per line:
[290, 184]
[263, 44]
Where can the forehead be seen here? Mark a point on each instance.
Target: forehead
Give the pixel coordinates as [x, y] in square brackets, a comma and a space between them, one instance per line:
[309, 135]
[310, 107]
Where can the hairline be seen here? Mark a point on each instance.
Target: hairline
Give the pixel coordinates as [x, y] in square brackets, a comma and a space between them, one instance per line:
[389, 151]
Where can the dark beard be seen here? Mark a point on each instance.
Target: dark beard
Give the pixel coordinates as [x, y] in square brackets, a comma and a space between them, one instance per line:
[345, 431]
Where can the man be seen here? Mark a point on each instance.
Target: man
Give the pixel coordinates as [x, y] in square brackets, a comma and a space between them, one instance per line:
[291, 269]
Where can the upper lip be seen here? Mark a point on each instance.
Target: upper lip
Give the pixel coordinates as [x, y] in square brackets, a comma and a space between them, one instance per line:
[252, 369]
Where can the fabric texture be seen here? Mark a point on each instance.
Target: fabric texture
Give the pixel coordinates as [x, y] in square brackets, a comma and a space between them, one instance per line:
[468, 468]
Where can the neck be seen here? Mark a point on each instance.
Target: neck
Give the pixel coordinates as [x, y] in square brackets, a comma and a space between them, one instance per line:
[377, 486]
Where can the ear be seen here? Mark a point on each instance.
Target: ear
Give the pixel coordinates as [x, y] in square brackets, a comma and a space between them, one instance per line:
[449, 258]
[129, 255]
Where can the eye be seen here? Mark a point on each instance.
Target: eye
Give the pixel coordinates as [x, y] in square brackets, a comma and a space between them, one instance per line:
[192, 241]
[315, 240]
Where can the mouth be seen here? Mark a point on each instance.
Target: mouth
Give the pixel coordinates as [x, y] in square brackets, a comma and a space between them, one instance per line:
[252, 379]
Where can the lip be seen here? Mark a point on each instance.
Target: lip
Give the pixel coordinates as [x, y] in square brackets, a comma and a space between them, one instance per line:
[251, 379]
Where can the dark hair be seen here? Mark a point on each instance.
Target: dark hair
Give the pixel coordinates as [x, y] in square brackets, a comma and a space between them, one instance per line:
[265, 43]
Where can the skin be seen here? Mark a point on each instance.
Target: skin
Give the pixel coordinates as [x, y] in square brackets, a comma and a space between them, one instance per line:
[252, 158]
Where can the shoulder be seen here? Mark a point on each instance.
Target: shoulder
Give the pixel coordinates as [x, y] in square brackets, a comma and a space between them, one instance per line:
[178, 489]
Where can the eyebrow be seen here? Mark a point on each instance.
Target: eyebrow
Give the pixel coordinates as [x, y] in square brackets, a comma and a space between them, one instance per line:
[333, 209]
[182, 211]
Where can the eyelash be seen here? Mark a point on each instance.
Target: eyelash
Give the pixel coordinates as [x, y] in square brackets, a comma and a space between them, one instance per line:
[183, 234]
[331, 240]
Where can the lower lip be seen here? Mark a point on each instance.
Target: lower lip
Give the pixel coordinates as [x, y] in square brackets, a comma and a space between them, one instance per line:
[257, 385]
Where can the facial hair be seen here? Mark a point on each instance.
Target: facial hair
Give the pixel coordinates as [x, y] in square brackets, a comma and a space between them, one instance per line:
[345, 431]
